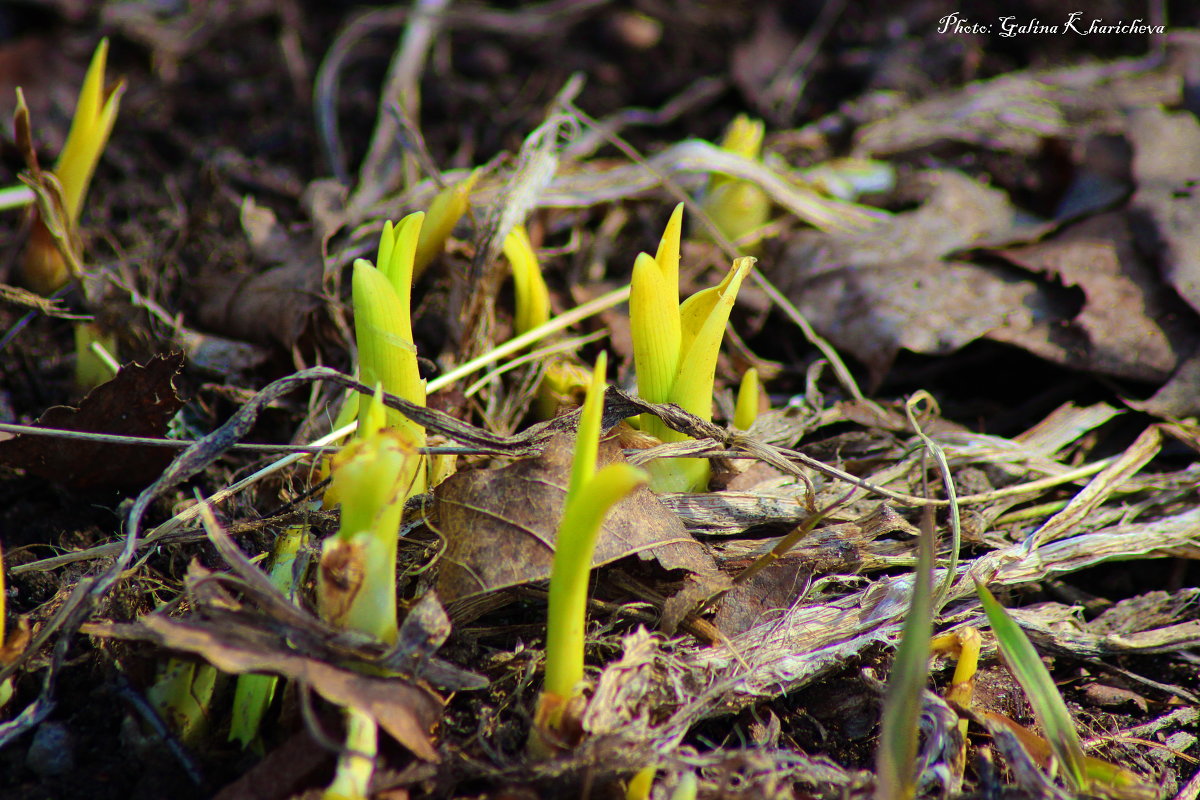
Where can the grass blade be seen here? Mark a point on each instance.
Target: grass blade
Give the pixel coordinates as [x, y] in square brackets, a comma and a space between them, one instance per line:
[902, 706]
[1048, 706]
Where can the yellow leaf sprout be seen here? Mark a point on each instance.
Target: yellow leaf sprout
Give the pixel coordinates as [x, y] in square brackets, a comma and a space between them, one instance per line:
[739, 208]
[444, 213]
[675, 348]
[529, 287]
[383, 325]
[745, 410]
[372, 475]
[61, 191]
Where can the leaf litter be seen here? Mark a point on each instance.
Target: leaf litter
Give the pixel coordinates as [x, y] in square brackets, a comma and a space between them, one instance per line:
[956, 260]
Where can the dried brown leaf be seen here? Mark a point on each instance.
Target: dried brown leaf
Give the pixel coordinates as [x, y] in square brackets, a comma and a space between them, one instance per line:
[1166, 167]
[500, 525]
[407, 711]
[890, 289]
[902, 287]
[1012, 112]
[698, 592]
[1129, 326]
[139, 401]
[269, 307]
[1018, 111]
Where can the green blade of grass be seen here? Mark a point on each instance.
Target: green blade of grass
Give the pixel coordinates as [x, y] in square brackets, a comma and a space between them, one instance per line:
[902, 706]
[1048, 706]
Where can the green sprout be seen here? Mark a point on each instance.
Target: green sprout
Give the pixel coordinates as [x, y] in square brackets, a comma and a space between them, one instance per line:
[675, 348]
[529, 287]
[382, 297]
[52, 256]
[590, 495]
[746, 409]
[1048, 706]
[564, 377]
[1082, 773]
[444, 213]
[902, 706]
[7, 652]
[372, 477]
[641, 783]
[182, 695]
[254, 692]
[356, 581]
[739, 208]
[94, 361]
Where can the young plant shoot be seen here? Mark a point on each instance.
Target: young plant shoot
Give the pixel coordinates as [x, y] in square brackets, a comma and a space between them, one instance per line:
[529, 287]
[444, 213]
[1083, 774]
[899, 728]
[564, 376]
[254, 692]
[372, 476]
[356, 581]
[60, 192]
[675, 348]
[739, 208]
[590, 495]
[383, 327]
[746, 409]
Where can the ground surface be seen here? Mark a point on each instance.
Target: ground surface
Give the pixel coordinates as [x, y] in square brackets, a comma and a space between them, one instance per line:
[1041, 251]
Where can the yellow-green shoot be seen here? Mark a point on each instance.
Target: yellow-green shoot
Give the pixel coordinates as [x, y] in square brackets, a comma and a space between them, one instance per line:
[382, 294]
[94, 360]
[444, 213]
[745, 410]
[1083, 774]
[60, 193]
[182, 695]
[590, 495]
[356, 582]
[675, 348]
[564, 376]
[1048, 706]
[6, 653]
[372, 476]
[529, 287]
[254, 692]
[737, 207]
[640, 784]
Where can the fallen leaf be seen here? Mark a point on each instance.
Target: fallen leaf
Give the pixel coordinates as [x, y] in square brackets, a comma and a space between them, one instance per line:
[1129, 326]
[138, 401]
[903, 287]
[1013, 112]
[889, 289]
[1179, 397]
[698, 592]
[1018, 111]
[269, 307]
[762, 598]
[1166, 168]
[500, 525]
[405, 710]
